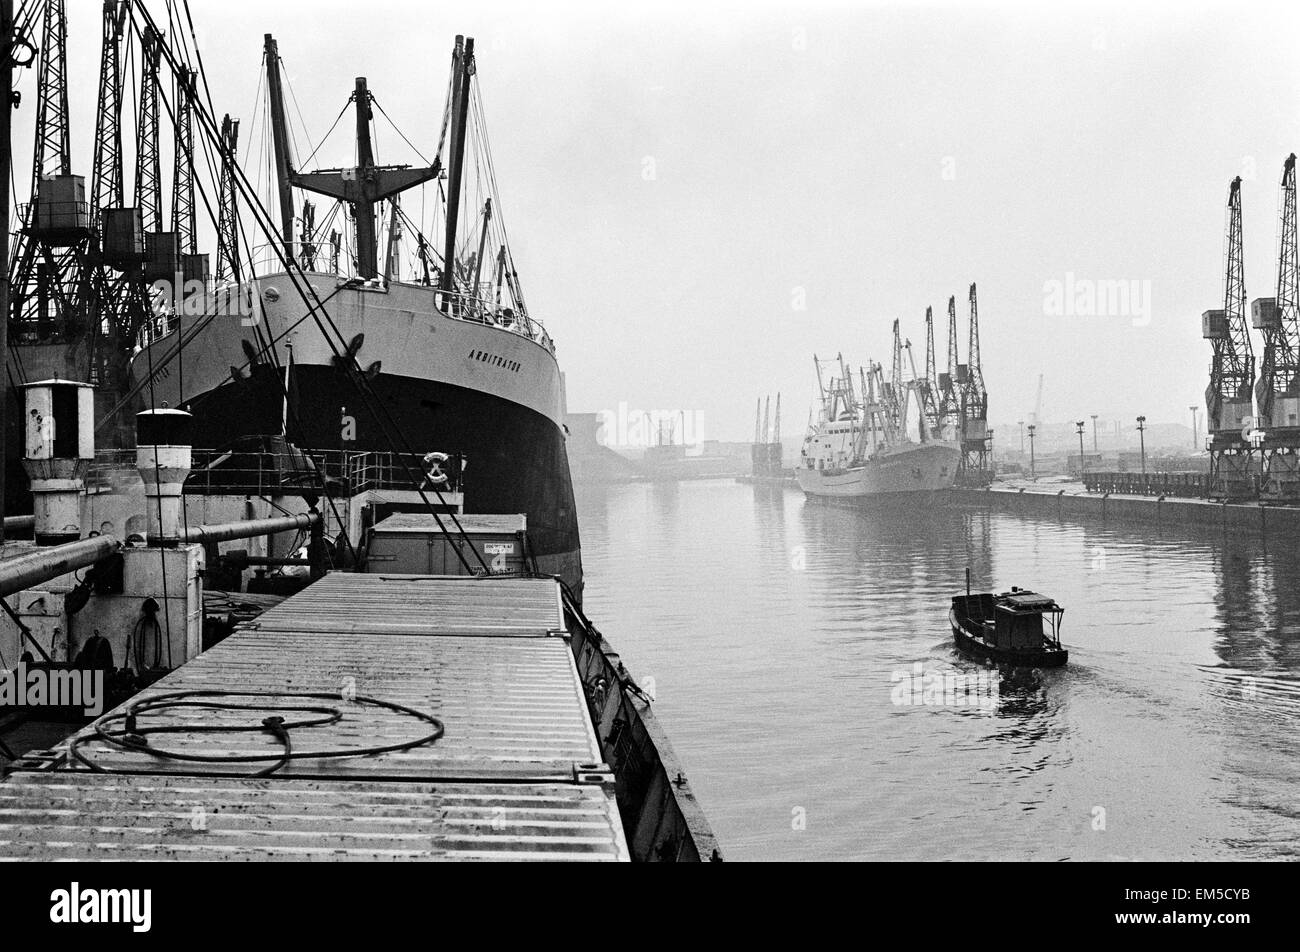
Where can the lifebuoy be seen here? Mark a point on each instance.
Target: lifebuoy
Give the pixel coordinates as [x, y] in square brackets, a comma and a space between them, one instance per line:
[433, 469]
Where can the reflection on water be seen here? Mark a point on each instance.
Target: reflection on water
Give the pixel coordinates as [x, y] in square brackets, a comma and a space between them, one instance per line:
[776, 631]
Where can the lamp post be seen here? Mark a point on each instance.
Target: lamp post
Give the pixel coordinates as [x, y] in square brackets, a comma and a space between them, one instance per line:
[1079, 427]
[1143, 438]
[1196, 443]
[1032, 472]
[1094, 433]
[1022, 437]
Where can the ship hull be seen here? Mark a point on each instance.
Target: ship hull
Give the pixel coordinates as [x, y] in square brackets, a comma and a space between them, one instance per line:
[437, 384]
[919, 468]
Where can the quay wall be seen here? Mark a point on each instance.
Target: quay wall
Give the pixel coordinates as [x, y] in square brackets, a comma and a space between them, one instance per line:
[1280, 521]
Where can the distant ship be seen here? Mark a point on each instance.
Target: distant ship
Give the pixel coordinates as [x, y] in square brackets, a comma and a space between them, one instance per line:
[859, 446]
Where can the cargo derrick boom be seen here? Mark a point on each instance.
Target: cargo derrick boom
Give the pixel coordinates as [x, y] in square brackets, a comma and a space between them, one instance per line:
[1228, 403]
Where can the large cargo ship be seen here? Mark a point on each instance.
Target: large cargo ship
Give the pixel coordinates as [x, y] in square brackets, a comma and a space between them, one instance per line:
[428, 306]
[859, 446]
[457, 364]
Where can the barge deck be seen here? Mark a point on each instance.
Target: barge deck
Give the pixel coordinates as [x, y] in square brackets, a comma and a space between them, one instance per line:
[519, 772]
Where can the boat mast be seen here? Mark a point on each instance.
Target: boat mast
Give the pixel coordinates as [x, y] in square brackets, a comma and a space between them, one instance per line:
[362, 187]
[280, 142]
[462, 70]
[364, 208]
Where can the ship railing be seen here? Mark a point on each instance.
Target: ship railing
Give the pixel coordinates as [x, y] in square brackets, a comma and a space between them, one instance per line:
[318, 257]
[483, 308]
[198, 299]
[285, 472]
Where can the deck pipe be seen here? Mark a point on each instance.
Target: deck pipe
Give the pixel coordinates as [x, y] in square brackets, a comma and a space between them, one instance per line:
[224, 532]
[43, 564]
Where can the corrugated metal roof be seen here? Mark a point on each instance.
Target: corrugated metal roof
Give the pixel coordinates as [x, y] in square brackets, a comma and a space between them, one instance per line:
[511, 707]
[471, 523]
[420, 604]
[478, 655]
[85, 816]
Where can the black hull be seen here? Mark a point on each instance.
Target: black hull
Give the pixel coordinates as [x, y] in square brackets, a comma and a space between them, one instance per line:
[977, 647]
[516, 459]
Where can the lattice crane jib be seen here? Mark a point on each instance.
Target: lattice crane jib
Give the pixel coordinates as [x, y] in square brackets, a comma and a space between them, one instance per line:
[148, 175]
[977, 396]
[107, 188]
[1278, 320]
[184, 212]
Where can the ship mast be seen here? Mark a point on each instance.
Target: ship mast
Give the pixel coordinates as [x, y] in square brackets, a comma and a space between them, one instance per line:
[362, 187]
[280, 141]
[462, 70]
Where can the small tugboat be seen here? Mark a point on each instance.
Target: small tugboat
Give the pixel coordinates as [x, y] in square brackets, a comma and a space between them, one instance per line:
[1008, 628]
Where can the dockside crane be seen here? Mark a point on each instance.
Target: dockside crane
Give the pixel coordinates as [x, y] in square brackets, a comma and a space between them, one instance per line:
[184, 213]
[1277, 391]
[1228, 403]
[73, 315]
[47, 273]
[930, 393]
[228, 205]
[897, 391]
[977, 396]
[976, 441]
[949, 389]
[107, 188]
[148, 161]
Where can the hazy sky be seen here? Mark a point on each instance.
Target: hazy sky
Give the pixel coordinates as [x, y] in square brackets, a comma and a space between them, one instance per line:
[700, 195]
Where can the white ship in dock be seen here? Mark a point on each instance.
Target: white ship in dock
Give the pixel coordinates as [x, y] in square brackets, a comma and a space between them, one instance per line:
[860, 445]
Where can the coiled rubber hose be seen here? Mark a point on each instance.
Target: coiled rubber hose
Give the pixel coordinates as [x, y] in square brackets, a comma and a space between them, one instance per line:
[134, 737]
